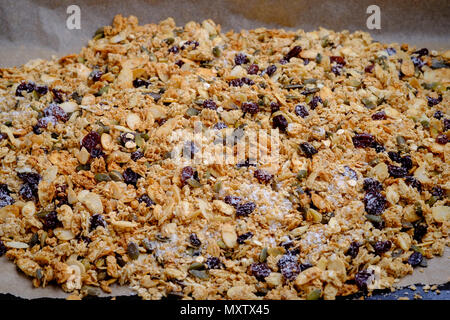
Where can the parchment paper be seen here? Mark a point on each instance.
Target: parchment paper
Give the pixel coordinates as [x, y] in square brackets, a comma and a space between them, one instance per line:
[37, 29]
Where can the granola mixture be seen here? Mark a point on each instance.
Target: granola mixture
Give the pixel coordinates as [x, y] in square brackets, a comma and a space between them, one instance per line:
[90, 195]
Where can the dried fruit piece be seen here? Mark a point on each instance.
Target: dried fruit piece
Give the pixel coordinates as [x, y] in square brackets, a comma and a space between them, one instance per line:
[97, 221]
[209, 104]
[243, 210]
[381, 247]
[5, 198]
[262, 176]
[130, 177]
[245, 236]
[91, 140]
[308, 149]
[301, 111]
[241, 58]
[214, 263]
[250, 107]
[133, 250]
[363, 140]
[260, 270]
[415, 259]
[147, 200]
[289, 266]
[363, 278]
[374, 203]
[280, 122]
[353, 249]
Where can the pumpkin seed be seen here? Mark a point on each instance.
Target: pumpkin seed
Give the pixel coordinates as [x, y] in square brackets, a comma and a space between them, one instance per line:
[369, 104]
[192, 112]
[193, 183]
[417, 249]
[430, 202]
[216, 52]
[310, 81]
[313, 215]
[400, 140]
[418, 209]
[318, 58]
[217, 186]
[34, 240]
[293, 86]
[43, 238]
[196, 266]
[133, 250]
[39, 274]
[100, 92]
[314, 295]
[83, 167]
[374, 218]
[169, 41]
[115, 175]
[263, 255]
[201, 274]
[302, 174]
[221, 244]
[100, 177]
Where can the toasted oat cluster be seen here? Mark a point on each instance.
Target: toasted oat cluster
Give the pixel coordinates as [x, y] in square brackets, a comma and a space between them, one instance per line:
[91, 193]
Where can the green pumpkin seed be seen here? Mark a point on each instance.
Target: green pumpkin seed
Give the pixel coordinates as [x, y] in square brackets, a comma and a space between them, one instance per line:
[43, 238]
[318, 58]
[115, 175]
[217, 186]
[196, 266]
[314, 295]
[169, 41]
[133, 250]
[293, 86]
[221, 244]
[139, 140]
[83, 167]
[263, 255]
[302, 174]
[417, 249]
[432, 201]
[369, 104]
[39, 274]
[192, 112]
[216, 52]
[400, 140]
[193, 183]
[310, 81]
[418, 209]
[201, 274]
[100, 177]
[374, 218]
[42, 214]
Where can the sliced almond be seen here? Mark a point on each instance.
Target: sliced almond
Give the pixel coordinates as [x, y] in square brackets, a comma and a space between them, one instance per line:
[229, 236]
[133, 121]
[441, 213]
[106, 141]
[63, 234]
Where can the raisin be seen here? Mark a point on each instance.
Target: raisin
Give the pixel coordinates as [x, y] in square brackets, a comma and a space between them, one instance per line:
[179, 63]
[294, 52]
[442, 139]
[363, 140]
[97, 153]
[147, 200]
[262, 176]
[381, 247]
[41, 90]
[253, 69]
[209, 104]
[362, 278]
[130, 177]
[415, 259]
[413, 182]
[194, 240]
[394, 156]
[97, 221]
[236, 82]
[421, 52]
[25, 86]
[135, 156]
[289, 267]
[274, 106]
[315, 101]
[374, 203]
[243, 210]
[391, 51]
[51, 221]
[57, 96]
[174, 49]
[372, 185]
[378, 147]
[2, 248]
[220, 126]
[241, 58]
[28, 192]
[91, 140]
[369, 68]
[270, 70]
[353, 249]
[438, 115]
[397, 172]
[406, 162]
[280, 122]
[245, 236]
[260, 270]
[250, 107]
[437, 192]
[420, 230]
[433, 101]
[232, 200]
[96, 75]
[56, 111]
[301, 111]
[214, 263]
[186, 173]
[336, 70]
[137, 83]
[304, 266]
[308, 149]
[446, 124]
[381, 115]
[5, 198]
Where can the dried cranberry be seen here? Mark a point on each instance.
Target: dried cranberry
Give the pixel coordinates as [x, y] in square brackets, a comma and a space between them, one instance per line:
[421, 52]
[391, 51]
[241, 58]
[363, 140]
[415, 259]
[25, 86]
[338, 60]
[44, 121]
[374, 203]
[381, 115]
[442, 139]
[397, 172]
[28, 192]
[220, 126]
[232, 200]
[135, 156]
[51, 221]
[381, 247]
[5, 198]
[245, 236]
[270, 70]
[253, 69]
[280, 122]
[274, 106]
[413, 182]
[308, 149]
[438, 115]
[289, 266]
[236, 82]
[147, 200]
[214, 263]
[314, 102]
[260, 270]
[369, 68]
[57, 96]
[372, 185]
[247, 81]
[353, 249]
[420, 230]
[130, 177]
[96, 75]
[186, 174]
[57, 112]
[174, 49]
[250, 107]
[437, 192]
[140, 83]
[301, 111]
[41, 90]
[209, 104]
[91, 140]
[243, 210]
[194, 240]
[362, 278]
[262, 176]
[434, 101]
[97, 221]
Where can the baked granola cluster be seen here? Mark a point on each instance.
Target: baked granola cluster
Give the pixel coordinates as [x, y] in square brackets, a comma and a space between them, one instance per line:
[90, 194]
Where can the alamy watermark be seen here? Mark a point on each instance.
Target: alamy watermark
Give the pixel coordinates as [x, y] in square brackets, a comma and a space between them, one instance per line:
[374, 20]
